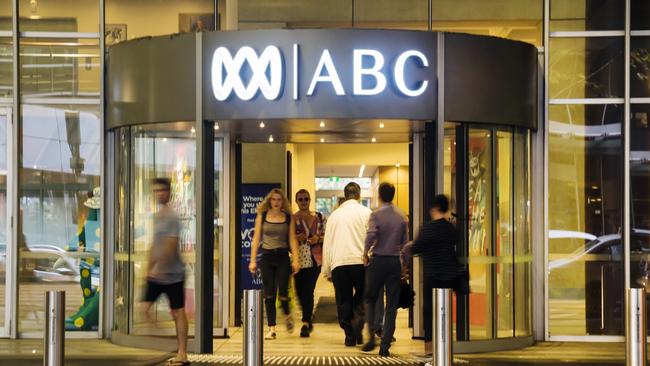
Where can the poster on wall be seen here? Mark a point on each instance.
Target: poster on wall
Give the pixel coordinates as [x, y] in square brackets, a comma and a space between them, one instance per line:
[251, 196]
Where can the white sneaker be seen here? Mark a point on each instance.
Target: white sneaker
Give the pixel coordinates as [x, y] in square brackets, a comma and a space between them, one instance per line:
[270, 335]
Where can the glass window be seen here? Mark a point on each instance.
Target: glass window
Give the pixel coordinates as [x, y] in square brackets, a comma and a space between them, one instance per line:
[129, 19]
[504, 238]
[640, 194]
[59, 196]
[586, 67]
[6, 67]
[480, 233]
[6, 14]
[264, 14]
[640, 67]
[585, 274]
[523, 279]
[639, 15]
[4, 164]
[122, 264]
[219, 242]
[162, 151]
[405, 14]
[586, 15]
[59, 15]
[520, 20]
[60, 68]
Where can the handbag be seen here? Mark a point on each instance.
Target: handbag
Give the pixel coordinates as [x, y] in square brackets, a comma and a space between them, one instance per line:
[406, 296]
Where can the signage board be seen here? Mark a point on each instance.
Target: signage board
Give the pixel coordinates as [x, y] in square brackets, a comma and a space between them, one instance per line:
[325, 73]
[251, 196]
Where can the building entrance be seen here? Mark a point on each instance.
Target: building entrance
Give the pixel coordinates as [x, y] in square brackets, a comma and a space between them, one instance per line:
[215, 112]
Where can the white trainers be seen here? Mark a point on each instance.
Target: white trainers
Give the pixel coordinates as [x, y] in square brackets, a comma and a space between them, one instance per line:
[270, 335]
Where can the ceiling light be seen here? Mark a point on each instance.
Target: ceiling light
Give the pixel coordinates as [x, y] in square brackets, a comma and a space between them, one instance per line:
[374, 139]
[361, 169]
[262, 124]
[381, 124]
[164, 139]
[322, 124]
[322, 139]
[193, 130]
[270, 138]
[397, 165]
[216, 126]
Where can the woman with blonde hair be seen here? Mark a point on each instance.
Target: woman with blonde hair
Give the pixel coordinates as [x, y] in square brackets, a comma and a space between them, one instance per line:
[275, 233]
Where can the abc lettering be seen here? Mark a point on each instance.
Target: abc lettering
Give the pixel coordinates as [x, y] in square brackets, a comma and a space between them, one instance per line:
[268, 73]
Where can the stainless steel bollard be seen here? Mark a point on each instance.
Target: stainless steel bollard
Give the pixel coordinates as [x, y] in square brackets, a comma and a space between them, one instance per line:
[442, 336]
[53, 351]
[253, 328]
[635, 327]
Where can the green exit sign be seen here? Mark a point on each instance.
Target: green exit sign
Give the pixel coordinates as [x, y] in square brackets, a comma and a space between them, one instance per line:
[334, 179]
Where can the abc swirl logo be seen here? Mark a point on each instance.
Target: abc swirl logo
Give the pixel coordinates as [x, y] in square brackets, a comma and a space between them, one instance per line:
[226, 77]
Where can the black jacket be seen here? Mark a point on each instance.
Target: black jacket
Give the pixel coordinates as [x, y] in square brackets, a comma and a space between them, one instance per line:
[436, 244]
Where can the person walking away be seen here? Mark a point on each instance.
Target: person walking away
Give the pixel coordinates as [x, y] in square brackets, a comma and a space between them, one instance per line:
[387, 234]
[436, 244]
[310, 230]
[275, 232]
[166, 271]
[345, 236]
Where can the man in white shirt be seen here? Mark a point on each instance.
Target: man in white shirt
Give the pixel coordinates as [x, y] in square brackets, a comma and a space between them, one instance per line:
[343, 249]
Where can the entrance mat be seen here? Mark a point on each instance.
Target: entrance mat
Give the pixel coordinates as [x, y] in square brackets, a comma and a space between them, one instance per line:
[306, 360]
[326, 310]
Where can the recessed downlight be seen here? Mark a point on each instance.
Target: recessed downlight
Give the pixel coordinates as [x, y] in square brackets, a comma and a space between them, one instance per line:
[262, 124]
[322, 139]
[271, 138]
[374, 139]
[322, 124]
[216, 126]
[381, 124]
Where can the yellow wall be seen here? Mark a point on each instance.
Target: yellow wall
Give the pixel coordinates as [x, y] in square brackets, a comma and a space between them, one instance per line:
[264, 163]
[303, 172]
[357, 154]
[400, 178]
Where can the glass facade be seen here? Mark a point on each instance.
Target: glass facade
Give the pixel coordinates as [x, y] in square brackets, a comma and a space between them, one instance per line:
[58, 166]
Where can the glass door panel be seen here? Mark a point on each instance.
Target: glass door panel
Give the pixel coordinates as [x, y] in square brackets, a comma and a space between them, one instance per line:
[162, 151]
[220, 243]
[504, 235]
[479, 200]
[5, 242]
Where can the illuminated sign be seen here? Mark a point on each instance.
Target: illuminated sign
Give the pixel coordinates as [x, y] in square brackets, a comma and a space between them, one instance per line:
[267, 73]
[307, 73]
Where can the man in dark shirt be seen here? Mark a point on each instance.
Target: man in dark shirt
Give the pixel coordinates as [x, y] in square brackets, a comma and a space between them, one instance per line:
[436, 244]
[387, 234]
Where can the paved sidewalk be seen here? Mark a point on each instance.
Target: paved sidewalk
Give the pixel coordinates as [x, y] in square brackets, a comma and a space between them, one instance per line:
[95, 352]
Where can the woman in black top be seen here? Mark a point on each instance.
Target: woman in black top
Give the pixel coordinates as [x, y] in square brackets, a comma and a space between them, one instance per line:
[436, 244]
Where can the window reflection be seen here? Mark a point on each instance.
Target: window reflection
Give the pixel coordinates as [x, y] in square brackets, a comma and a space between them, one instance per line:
[59, 15]
[6, 67]
[586, 15]
[640, 67]
[59, 195]
[585, 254]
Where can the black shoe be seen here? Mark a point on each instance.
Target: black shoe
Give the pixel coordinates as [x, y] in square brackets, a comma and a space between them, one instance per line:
[383, 352]
[368, 347]
[311, 327]
[350, 341]
[304, 331]
[359, 337]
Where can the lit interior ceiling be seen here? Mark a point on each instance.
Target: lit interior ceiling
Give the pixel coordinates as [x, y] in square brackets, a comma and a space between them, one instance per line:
[321, 131]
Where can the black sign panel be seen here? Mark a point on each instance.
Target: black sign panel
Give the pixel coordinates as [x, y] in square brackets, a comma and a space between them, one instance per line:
[319, 74]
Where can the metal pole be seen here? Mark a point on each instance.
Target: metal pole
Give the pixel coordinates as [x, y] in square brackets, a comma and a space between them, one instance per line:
[442, 338]
[635, 328]
[54, 328]
[253, 341]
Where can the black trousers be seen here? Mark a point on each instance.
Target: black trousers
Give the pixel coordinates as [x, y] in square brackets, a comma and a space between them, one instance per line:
[349, 286]
[305, 281]
[383, 272]
[276, 271]
[427, 306]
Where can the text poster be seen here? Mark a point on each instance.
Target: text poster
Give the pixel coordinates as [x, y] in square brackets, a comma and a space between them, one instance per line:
[252, 194]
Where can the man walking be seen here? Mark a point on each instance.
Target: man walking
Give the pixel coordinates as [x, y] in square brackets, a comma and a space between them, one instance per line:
[166, 271]
[387, 234]
[343, 245]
